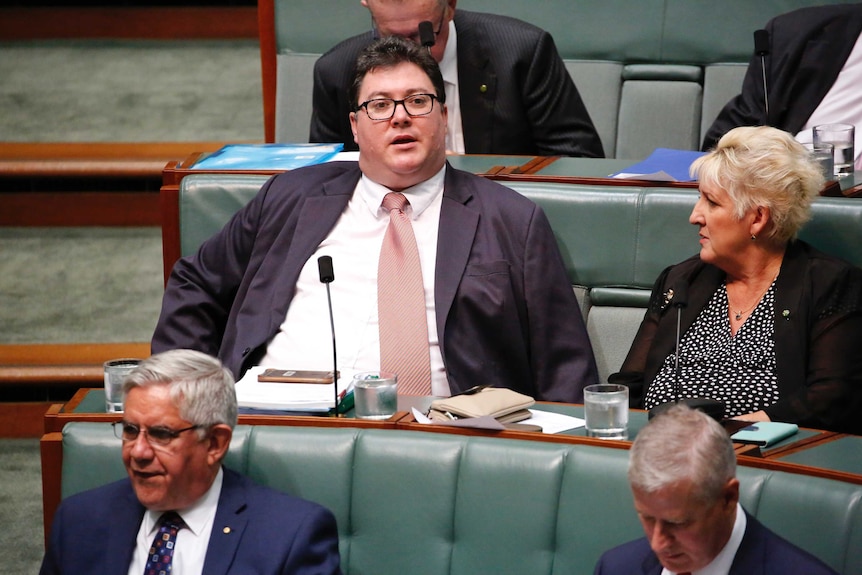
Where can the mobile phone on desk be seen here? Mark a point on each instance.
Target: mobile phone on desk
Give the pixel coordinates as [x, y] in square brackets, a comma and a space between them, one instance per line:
[296, 376]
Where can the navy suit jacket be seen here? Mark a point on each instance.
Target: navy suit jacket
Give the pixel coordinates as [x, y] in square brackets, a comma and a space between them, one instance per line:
[761, 552]
[515, 93]
[270, 532]
[506, 312]
[808, 48]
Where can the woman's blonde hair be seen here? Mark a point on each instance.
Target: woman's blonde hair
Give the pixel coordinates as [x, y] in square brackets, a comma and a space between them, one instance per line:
[763, 166]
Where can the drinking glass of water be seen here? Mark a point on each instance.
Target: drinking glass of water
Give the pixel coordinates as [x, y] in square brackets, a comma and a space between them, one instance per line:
[606, 410]
[841, 136]
[375, 394]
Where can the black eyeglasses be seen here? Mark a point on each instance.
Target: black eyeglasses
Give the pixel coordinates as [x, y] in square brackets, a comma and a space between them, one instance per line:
[384, 108]
[412, 37]
[156, 436]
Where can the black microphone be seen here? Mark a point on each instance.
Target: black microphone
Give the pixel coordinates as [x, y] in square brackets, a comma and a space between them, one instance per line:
[426, 34]
[761, 48]
[680, 302]
[712, 407]
[327, 276]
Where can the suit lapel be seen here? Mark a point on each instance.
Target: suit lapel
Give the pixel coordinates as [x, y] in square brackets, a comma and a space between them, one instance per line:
[477, 86]
[458, 223]
[126, 518]
[228, 526]
[822, 58]
[318, 215]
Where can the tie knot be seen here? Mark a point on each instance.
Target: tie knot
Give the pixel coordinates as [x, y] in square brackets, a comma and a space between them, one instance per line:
[171, 520]
[395, 201]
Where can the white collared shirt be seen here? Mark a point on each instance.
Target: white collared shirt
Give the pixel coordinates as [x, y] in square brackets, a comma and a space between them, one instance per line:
[724, 560]
[192, 543]
[449, 69]
[304, 339]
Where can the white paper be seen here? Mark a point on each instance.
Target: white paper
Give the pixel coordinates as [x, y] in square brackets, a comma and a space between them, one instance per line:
[660, 176]
[251, 393]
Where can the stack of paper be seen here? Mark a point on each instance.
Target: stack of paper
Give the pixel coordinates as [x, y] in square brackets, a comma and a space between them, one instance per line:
[305, 397]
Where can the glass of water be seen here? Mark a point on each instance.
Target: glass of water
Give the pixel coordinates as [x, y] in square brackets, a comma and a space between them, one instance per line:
[842, 137]
[606, 411]
[375, 394]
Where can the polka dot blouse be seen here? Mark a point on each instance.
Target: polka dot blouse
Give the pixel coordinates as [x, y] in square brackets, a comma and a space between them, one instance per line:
[738, 370]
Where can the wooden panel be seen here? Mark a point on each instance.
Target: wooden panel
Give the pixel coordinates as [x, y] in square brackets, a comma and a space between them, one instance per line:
[188, 22]
[79, 209]
[268, 65]
[51, 448]
[69, 353]
[22, 419]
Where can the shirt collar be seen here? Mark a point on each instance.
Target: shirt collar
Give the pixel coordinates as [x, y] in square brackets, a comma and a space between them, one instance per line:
[724, 560]
[420, 196]
[449, 64]
[196, 515]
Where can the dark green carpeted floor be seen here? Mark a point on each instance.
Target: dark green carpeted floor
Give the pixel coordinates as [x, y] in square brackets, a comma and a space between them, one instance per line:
[99, 284]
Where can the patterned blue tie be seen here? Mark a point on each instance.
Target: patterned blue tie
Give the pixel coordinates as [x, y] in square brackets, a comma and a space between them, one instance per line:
[162, 549]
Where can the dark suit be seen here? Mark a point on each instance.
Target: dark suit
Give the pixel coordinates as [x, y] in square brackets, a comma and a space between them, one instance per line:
[808, 48]
[516, 95]
[270, 532]
[761, 552]
[506, 313]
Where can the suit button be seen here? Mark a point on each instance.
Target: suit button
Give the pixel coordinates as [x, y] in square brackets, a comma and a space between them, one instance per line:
[246, 351]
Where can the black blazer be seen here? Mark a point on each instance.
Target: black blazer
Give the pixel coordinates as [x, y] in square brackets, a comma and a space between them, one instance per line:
[808, 48]
[818, 327]
[516, 95]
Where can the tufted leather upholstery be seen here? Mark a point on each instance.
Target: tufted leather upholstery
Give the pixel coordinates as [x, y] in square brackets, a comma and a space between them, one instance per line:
[652, 73]
[417, 502]
[615, 240]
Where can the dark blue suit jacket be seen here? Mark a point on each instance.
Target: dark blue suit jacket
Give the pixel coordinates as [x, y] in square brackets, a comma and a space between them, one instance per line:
[506, 312]
[807, 50]
[515, 93]
[270, 532]
[761, 552]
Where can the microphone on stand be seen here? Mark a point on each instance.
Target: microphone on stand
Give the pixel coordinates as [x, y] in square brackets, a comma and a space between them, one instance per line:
[426, 34]
[761, 48]
[327, 275]
[711, 407]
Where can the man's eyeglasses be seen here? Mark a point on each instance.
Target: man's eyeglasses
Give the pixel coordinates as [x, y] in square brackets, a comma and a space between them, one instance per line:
[414, 37]
[156, 436]
[384, 108]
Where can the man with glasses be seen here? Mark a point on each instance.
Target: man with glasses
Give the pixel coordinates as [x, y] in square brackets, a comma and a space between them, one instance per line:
[507, 89]
[180, 509]
[497, 306]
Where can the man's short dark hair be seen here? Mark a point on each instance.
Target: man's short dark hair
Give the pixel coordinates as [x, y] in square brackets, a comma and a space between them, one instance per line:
[389, 52]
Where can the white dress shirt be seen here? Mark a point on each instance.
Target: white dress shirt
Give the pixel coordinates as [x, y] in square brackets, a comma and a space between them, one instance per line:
[724, 560]
[449, 69]
[304, 340]
[192, 542]
[842, 104]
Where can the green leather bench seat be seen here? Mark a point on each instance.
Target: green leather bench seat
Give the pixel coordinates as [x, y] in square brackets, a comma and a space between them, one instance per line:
[417, 502]
[615, 240]
[652, 73]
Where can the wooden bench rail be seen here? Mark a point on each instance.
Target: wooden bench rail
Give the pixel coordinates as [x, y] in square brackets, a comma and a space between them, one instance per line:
[43, 370]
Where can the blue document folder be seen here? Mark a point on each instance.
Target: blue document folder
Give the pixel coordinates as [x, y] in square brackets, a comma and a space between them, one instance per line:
[267, 156]
[664, 165]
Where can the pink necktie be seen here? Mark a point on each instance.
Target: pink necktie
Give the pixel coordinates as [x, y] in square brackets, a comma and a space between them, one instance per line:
[401, 303]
